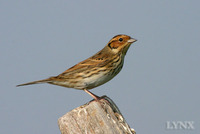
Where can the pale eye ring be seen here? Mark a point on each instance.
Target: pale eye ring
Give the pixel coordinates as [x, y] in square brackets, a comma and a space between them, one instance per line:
[120, 39]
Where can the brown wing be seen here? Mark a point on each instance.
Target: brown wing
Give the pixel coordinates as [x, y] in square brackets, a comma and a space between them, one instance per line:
[84, 65]
[88, 64]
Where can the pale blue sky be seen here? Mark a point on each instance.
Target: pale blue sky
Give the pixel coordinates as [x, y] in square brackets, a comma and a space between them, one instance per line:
[159, 82]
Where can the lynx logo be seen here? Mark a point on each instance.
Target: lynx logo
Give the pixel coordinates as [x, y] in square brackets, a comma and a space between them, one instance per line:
[180, 125]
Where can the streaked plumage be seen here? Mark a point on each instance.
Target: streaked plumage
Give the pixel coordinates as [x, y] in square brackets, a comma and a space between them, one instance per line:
[96, 70]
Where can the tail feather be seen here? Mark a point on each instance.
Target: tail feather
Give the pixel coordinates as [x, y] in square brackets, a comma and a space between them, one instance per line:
[35, 82]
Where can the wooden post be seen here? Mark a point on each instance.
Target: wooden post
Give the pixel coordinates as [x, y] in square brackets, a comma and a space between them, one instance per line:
[95, 117]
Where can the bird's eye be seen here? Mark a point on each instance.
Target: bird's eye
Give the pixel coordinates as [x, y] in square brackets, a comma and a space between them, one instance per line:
[120, 39]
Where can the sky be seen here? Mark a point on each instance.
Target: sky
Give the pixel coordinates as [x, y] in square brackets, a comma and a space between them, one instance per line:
[158, 84]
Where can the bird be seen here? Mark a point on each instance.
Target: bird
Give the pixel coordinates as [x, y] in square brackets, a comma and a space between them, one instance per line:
[96, 70]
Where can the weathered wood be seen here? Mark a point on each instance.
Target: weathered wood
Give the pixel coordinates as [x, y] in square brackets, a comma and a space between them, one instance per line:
[95, 117]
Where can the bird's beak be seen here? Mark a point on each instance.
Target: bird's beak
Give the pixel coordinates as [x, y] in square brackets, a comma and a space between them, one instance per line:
[131, 40]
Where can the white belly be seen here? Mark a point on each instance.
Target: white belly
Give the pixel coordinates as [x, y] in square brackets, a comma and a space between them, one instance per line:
[97, 80]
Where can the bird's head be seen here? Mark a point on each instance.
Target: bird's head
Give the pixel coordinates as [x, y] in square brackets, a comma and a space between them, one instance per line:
[120, 43]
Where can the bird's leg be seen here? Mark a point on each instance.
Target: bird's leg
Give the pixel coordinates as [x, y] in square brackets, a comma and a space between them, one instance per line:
[97, 98]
